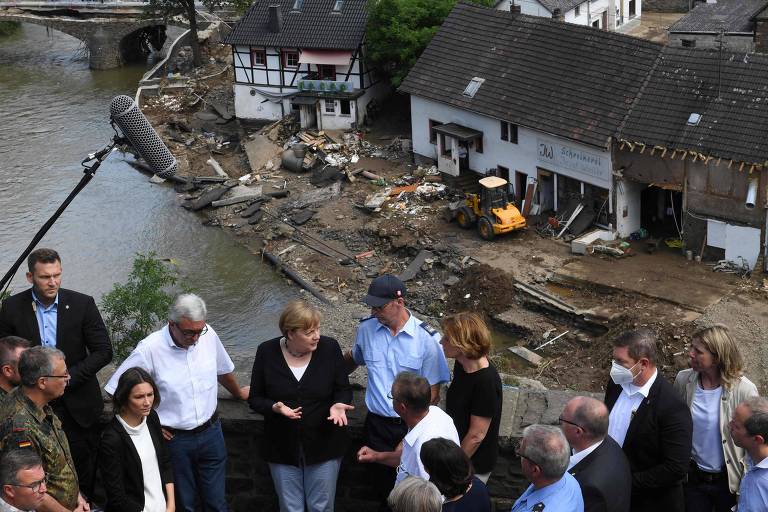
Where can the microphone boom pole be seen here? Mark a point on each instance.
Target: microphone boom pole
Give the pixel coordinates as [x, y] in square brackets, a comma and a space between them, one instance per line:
[89, 171]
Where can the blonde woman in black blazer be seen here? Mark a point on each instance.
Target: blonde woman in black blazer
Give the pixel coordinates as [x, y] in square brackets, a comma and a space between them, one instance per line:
[133, 459]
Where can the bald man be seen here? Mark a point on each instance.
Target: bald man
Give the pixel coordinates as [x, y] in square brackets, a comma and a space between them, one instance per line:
[597, 462]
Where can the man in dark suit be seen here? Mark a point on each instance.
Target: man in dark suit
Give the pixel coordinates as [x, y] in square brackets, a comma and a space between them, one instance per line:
[650, 422]
[52, 316]
[597, 462]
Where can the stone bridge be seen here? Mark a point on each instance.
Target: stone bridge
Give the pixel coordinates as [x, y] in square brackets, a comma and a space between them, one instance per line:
[113, 31]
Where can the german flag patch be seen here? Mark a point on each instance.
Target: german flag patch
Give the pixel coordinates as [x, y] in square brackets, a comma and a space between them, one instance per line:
[25, 444]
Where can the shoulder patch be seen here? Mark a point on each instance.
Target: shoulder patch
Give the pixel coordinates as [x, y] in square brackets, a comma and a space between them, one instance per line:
[366, 318]
[431, 330]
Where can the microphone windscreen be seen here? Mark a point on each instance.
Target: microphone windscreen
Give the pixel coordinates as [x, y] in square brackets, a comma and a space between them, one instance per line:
[135, 127]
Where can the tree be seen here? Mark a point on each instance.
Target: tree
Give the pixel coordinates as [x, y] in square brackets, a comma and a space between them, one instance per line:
[134, 309]
[399, 31]
[167, 9]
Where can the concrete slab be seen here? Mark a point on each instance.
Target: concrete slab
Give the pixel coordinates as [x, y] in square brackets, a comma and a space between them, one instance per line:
[261, 150]
[663, 275]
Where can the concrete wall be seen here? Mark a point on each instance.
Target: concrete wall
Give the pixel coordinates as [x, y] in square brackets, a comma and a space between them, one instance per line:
[732, 42]
[249, 485]
[534, 149]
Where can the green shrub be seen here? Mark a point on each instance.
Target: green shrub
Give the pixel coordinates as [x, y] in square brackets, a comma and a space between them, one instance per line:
[134, 309]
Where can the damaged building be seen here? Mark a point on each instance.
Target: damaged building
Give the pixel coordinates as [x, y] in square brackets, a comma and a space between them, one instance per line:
[665, 139]
[304, 56]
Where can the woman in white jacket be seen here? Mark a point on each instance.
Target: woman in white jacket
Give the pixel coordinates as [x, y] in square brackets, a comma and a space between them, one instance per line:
[712, 388]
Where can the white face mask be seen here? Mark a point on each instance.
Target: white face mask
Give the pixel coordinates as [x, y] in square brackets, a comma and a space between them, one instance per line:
[621, 375]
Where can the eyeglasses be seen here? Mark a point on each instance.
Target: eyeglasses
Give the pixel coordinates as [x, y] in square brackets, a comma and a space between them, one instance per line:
[563, 420]
[519, 453]
[34, 486]
[190, 333]
[65, 376]
[389, 395]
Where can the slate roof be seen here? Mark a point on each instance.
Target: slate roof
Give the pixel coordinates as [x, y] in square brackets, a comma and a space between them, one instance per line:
[729, 15]
[316, 26]
[685, 81]
[559, 78]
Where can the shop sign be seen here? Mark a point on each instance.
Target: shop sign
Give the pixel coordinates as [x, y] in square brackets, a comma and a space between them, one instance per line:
[559, 156]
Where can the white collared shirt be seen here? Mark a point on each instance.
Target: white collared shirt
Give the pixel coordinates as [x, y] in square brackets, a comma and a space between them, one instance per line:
[435, 424]
[187, 379]
[626, 406]
[577, 457]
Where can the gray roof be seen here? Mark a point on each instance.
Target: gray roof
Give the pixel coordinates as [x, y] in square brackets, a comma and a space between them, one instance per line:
[315, 26]
[685, 81]
[729, 15]
[559, 78]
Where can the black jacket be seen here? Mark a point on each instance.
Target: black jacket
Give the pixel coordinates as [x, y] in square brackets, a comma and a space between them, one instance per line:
[324, 383]
[658, 447]
[80, 334]
[121, 470]
[605, 478]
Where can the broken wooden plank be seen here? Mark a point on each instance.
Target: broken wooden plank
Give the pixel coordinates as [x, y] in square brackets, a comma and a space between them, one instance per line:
[407, 188]
[235, 200]
[527, 356]
[415, 266]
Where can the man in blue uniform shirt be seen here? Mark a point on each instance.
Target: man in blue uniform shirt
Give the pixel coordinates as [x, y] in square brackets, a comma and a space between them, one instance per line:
[749, 428]
[390, 341]
[544, 456]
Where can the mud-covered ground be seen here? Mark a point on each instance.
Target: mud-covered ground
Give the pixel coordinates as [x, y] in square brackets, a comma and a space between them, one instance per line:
[343, 246]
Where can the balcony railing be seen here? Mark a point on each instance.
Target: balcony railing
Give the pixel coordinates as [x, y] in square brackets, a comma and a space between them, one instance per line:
[312, 83]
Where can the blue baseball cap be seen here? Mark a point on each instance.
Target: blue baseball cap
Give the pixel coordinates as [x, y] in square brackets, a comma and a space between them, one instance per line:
[384, 289]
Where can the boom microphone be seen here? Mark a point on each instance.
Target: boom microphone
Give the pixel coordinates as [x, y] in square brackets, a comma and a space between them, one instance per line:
[135, 127]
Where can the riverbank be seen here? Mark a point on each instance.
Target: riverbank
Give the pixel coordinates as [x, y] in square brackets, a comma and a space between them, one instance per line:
[323, 232]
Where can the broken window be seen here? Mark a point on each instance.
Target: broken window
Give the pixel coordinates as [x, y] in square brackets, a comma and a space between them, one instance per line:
[473, 86]
[688, 43]
[345, 108]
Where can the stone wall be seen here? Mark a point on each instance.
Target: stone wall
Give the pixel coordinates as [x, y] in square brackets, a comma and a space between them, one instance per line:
[249, 485]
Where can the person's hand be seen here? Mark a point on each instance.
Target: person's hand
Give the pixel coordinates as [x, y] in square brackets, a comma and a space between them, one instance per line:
[244, 392]
[166, 434]
[291, 414]
[338, 414]
[82, 505]
[170, 508]
[366, 455]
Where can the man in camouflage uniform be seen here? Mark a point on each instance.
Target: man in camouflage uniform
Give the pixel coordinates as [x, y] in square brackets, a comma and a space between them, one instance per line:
[11, 348]
[33, 425]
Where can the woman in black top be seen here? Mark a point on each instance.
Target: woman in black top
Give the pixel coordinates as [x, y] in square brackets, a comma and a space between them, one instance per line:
[133, 459]
[300, 384]
[474, 396]
[451, 471]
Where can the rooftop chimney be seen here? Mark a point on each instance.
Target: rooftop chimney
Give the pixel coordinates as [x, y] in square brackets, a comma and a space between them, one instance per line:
[558, 15]
[514, 8]
[275, 20]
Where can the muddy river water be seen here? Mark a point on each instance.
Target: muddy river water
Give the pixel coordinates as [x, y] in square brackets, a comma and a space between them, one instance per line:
[53, 112]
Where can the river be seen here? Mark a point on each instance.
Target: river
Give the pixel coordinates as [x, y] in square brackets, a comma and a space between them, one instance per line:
[54, 111]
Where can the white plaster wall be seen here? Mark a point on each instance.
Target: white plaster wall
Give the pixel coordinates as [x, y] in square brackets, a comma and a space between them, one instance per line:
[531, 7]
[595, 11]
[523, 156]
[254, 107]
[337, 121]
[628, 206]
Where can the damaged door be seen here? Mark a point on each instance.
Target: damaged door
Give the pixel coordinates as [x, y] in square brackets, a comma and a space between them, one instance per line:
[447, 155]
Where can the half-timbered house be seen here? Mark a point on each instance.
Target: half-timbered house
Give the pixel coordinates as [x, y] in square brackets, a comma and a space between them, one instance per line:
[306, 56]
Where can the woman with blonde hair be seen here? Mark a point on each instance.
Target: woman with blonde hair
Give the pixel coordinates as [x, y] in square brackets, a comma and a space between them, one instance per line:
[712, 388]
[474, 396]
[299, 384]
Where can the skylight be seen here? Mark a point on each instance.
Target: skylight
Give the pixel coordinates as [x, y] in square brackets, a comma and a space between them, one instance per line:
[298, 4]
[473, 86]
[694, 119]
[337, 5]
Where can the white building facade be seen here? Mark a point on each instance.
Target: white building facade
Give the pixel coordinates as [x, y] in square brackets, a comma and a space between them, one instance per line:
[602, 14]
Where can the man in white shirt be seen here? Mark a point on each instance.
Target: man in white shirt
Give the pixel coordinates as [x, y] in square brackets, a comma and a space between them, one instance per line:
[23, 481]
[597, 462]
[187, 359]
[411, 401]
[650, 422]
[749, 428]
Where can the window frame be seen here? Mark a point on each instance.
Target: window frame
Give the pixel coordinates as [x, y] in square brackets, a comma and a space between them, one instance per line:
[285, 53]
[341, 107]
[326, 67]
[478, 144]
[332, 104]
[263, 53]
[577, 10]
[432, 133]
